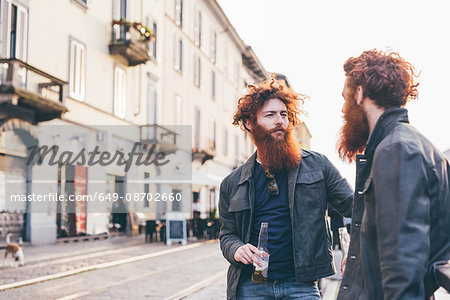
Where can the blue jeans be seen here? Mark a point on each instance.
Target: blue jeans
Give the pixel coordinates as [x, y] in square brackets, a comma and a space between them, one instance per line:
[288, 289]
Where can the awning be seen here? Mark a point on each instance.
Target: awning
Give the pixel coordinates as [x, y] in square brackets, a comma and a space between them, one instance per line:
[198, 178]
[202, 178]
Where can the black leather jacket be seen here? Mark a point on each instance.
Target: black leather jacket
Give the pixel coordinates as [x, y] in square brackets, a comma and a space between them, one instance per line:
[401, 214]
[312, 185]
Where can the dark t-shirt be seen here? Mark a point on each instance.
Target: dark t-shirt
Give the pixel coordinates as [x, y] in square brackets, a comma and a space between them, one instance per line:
[273, 209]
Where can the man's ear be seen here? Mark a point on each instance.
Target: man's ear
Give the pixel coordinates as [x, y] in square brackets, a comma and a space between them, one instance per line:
[359, 95]
[248, 125]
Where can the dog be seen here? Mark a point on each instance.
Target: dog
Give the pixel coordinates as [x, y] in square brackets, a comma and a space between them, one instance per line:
[16, 251]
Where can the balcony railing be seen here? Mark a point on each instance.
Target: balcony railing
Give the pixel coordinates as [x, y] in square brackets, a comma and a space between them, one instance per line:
[132, 41]
[206, 151]
[25, 86]
[159, 135]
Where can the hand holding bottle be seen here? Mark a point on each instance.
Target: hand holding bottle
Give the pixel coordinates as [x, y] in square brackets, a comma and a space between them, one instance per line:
[248, 254]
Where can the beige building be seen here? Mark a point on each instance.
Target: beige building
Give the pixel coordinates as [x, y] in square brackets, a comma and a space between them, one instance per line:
[112, 74]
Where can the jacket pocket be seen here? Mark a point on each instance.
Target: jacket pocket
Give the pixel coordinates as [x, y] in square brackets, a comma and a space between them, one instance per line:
[310, 178]
[237, 205]
[310, 193]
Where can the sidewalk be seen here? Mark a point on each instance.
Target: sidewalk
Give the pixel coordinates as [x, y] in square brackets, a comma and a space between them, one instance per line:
[44, 252]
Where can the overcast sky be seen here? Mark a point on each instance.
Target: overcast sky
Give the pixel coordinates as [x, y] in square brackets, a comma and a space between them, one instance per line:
[309, 41]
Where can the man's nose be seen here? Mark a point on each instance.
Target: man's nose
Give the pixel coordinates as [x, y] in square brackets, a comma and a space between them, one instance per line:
[278, 119]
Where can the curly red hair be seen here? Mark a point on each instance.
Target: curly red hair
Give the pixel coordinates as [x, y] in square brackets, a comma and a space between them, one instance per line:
[257, 95]
[385, 77]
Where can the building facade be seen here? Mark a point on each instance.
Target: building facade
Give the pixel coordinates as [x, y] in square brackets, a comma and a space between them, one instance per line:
[113, 74]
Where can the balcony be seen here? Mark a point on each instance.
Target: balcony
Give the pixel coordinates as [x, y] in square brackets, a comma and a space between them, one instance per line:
[165, 138]
[29, 93]
[131, 41]
[205, 151]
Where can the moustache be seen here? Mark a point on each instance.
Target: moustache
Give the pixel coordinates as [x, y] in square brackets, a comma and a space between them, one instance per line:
[279, 129]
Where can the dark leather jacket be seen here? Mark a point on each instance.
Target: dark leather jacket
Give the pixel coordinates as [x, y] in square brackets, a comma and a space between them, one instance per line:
[401, 211]
[312, 185]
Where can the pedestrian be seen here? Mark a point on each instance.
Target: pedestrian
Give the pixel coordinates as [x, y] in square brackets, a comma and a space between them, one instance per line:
[285, 186]
[337, 221]
[401, 209]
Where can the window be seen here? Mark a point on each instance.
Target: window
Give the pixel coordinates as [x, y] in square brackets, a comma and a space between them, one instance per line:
[77, 72]
[178, 54]
[13, 31]
[151, 23]
[197, 71]
[213, 84]
[120, 9]
[178, 113]
[197, 128]
[179, 13]
[225, 142]
[214, 47]
[213, 134]
[152, 104]
[120, 92]
[198, 29]
[153, 43]
[146, 190]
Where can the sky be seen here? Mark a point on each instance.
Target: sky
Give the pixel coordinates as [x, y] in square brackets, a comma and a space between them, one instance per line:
[309, 41]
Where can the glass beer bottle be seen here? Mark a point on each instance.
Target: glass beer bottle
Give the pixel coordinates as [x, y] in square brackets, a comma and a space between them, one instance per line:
[260, 273]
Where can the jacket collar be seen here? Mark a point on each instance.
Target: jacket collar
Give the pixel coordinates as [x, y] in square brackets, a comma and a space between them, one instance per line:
[387, 121]
[248, 166]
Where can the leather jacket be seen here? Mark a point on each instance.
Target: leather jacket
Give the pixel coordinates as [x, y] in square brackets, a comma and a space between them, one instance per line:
[401, 214]
[311, 186]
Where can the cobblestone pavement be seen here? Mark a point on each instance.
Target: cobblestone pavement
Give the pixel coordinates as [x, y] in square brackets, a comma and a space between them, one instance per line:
[125, 267]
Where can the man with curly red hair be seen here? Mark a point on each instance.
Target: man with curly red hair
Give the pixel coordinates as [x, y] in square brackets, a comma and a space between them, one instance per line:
[286, 187]
[401, 210]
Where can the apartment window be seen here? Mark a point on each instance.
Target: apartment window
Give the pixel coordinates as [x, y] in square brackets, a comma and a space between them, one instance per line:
[213, 134]
[198, 29]
[213, 84]
[152, 104]
[225, 142]
[120, 9]
[214, 46]
[197, 71]
[13, 30]
[178, 54]
[146, 190]
[151, 23]
[179, 12]
[197, 128]
[178, 113]
[77, 72]
[120, 92]
[153, 43]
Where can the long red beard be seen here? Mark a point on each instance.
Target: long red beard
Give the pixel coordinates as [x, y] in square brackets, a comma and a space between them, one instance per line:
[354, 133]
[276, 154]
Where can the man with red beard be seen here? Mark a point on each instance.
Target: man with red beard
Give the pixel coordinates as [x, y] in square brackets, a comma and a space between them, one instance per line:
[401, 210]
[286, 187]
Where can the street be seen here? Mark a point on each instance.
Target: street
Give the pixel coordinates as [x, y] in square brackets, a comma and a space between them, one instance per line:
[125, 267]
[107, 270]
